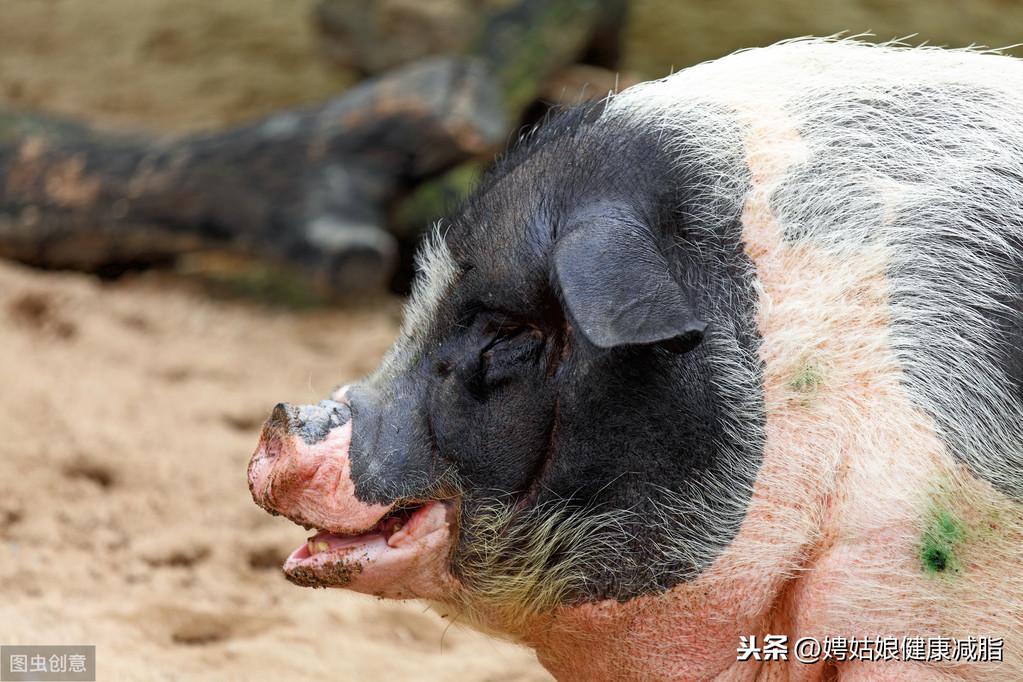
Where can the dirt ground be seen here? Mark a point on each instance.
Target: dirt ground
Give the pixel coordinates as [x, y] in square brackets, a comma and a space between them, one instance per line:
[127, 415]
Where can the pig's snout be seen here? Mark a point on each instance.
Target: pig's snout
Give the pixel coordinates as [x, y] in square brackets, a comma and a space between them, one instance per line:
[301, 467]
[390, 541]
[311, 423]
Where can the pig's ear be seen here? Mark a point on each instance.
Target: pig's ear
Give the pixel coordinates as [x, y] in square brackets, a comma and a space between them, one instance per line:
[617, 287]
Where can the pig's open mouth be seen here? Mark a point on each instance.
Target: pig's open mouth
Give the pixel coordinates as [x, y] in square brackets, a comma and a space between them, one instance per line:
[301, 470]
[376, 560]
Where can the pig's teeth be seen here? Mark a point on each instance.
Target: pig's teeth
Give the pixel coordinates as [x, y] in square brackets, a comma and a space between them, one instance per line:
[317, 547]
[398, 537]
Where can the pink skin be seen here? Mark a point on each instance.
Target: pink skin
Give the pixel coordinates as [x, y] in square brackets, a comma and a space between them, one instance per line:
[310, 484]
[866, 671]
[356, 548]
[402, 564]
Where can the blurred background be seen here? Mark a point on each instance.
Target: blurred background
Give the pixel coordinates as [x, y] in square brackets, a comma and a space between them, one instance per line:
[210, 207]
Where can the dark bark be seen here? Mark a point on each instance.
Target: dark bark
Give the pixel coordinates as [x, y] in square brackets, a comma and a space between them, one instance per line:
[529, 40]
[308, 187]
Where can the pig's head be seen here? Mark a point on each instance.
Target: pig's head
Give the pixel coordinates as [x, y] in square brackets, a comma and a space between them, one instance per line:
[565, 416]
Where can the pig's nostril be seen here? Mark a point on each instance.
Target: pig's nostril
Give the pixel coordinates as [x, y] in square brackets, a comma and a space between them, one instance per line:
[280, 417]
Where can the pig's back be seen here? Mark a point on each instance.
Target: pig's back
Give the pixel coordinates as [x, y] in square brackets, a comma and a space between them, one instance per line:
[914, 156]
[882, 210]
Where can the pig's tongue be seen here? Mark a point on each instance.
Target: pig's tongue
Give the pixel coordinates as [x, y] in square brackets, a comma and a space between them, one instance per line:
[402, 555]
[398, 528]
[387, 528]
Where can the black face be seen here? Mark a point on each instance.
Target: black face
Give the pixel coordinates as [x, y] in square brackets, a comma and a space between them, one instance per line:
[592, 356]
[495, 394]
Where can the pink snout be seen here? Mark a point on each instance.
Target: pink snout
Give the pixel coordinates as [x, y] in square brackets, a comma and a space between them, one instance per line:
[301, 469]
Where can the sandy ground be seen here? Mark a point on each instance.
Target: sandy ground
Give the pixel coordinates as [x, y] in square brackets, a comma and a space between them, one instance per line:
[165, 65]
[127, 415]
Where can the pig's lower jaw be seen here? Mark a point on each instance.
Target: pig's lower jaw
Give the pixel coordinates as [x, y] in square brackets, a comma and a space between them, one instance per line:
[404, 555]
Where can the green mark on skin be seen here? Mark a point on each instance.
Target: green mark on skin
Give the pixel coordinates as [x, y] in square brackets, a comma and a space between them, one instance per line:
[941, 537]
[807, 379]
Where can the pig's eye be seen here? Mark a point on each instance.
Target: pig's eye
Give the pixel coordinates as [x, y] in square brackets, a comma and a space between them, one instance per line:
[509, 348]
[501, 333]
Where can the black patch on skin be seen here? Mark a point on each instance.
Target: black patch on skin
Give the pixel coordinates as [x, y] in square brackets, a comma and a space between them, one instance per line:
[313, 422]
[959, 129]
[507, 398]
[391, 443]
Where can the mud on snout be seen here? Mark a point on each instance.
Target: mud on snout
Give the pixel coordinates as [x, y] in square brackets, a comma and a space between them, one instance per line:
[302, 470]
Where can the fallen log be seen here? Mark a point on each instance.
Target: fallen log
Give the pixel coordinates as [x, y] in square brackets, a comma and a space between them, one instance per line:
[306, 187]
[524, 42]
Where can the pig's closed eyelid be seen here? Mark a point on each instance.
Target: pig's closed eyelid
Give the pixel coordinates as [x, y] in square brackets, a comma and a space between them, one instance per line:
[496, 321]
[479, 314]
[505, 334]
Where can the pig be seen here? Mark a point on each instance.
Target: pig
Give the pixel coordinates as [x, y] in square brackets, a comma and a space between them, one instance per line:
[723, 365]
